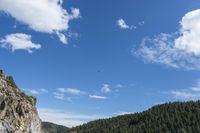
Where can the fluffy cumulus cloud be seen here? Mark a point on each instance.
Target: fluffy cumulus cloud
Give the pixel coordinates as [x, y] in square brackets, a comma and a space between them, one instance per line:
[192, 93]
[64, 118]
[19, 41]
[47, 16]
[177, 50]
[121, 23]
[75, 13]
[105, 88]
[189, 40]
[98, 97]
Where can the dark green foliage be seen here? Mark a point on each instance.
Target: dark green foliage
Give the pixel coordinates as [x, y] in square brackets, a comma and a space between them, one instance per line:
[11, 81]
[31, 99]
[1, 72]
[176, 117]
[53, 128]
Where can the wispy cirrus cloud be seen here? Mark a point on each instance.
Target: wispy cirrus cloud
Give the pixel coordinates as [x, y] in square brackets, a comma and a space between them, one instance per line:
[46, 16]
[71, 91]
[67, 93]
[179, 50]
[119, 86]
[59, 96]
[124, 113]
[192, 93]
[185, 94]
[98, 97]
[141, 23]
[35, 91]
[68, 119]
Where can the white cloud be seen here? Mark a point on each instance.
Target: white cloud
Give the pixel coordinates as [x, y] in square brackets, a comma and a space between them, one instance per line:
[72, 91]
[35, 91]
[44, 90]
[19, 41]
[124, 113]
[141, 23]
[123, 25]
[47, 16]
[178, 50]
[67, 119]
[62, 37]
[59, 96]
[192, 93]
[119, 86]
[189, 40]
[75, 13]
[184, 95]
[98, 97]
[196, 89]
[69, 99]
[105, 88]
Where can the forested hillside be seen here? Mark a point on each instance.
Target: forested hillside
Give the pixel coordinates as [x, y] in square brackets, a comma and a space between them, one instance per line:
[166, 118]
[53, 128]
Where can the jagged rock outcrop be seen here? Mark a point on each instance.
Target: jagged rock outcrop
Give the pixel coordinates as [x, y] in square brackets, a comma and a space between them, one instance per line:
[18, 113]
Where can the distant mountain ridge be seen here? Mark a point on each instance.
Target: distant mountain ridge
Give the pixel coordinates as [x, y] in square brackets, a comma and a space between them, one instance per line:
[18, 114]
[177, 117]
[54, 128]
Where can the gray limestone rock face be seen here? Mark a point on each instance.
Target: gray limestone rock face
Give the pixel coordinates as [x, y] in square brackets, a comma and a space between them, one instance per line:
[18, 113]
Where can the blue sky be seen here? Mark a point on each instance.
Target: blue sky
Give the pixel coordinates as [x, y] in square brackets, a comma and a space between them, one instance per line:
[85, 60]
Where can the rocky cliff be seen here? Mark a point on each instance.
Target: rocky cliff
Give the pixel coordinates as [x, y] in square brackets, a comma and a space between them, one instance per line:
[18, 113]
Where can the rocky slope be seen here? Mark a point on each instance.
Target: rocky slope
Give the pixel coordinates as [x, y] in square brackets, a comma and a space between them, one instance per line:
[18, 113]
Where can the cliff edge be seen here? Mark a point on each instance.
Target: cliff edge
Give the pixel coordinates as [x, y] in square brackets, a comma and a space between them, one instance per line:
[18, 113]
